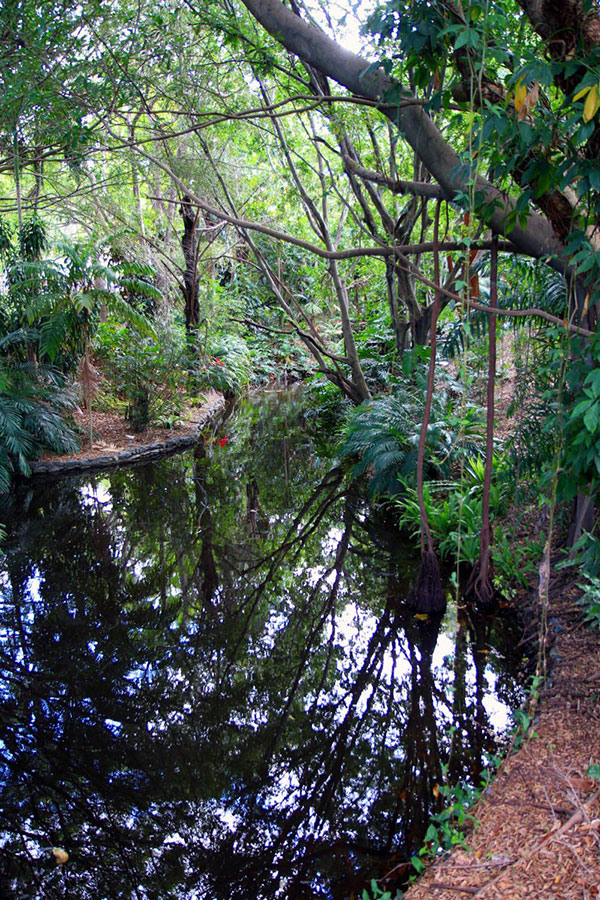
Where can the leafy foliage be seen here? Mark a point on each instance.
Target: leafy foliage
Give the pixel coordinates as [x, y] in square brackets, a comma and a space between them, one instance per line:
[384, 434]
[229, 367]
[33, 405]
[454, 516]
[590, 600]
[148, 372]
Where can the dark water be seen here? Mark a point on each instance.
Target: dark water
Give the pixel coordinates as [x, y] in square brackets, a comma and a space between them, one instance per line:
[209, 688]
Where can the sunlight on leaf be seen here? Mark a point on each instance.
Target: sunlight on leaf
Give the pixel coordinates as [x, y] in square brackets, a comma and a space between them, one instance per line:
[592, 104]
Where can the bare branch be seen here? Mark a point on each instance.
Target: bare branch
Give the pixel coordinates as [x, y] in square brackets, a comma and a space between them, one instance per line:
[416, 188]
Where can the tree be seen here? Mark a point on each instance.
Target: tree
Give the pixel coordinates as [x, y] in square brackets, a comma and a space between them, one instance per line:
[546, 113]
[396, 102]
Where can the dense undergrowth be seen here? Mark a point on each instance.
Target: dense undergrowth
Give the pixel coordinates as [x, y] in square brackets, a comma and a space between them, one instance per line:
[89, 326]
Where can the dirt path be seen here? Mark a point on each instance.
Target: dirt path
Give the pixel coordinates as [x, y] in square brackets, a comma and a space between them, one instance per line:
[116, 444]
[539, 831]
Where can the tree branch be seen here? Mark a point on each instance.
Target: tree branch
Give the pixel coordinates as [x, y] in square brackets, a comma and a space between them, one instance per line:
[314, 47]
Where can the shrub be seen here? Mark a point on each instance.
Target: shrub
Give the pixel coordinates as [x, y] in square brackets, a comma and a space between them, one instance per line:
[228, 368]
[34, 405]
[384, 435]
[148, 372]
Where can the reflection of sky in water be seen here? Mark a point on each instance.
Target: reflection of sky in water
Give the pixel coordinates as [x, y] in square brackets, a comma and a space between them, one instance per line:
[264, 741]
[97, 494]
[354, 627]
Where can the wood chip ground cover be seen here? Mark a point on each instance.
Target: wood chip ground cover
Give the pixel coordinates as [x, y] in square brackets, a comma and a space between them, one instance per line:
[539, 822]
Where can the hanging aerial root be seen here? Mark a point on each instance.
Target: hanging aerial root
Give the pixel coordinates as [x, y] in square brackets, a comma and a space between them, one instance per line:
[428, 595]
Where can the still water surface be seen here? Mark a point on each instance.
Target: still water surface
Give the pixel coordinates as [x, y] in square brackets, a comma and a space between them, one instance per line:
[209, 688]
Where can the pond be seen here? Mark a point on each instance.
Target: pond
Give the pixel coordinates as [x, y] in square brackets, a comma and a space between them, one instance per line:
[210, 688]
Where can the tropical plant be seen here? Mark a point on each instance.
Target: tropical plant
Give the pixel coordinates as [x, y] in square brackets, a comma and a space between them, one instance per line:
[34, 404]
[75, 288]
[384, 435]
[147, 371]
[590, 601]
[454, 508]
[228, 367]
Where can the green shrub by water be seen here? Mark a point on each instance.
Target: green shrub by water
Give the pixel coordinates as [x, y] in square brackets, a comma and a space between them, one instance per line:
[148, 372]
[34, 403]
[228, 365]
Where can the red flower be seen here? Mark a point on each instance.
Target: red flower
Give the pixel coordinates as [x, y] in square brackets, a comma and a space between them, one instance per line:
[224, 440]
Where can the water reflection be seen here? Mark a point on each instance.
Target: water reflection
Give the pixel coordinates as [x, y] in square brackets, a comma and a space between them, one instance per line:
[209, 687]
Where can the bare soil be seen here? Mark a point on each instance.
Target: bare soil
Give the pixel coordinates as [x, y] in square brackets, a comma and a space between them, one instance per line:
[113, 433]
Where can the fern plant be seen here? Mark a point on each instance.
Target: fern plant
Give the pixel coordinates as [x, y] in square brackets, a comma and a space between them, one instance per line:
[34, 403]
[76, 286]
[454, 509]
[384, 435]
[229, 365]
[525, 284]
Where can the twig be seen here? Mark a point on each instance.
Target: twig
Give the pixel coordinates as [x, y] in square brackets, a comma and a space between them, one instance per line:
[440, 886]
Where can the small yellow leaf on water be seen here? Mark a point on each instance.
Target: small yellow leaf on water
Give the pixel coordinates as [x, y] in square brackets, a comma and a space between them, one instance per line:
[592, 104]
[520, 94]
[61, 856]
[422, 616]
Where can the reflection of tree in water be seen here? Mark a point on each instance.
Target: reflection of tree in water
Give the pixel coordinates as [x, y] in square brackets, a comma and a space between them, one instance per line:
[205, 692]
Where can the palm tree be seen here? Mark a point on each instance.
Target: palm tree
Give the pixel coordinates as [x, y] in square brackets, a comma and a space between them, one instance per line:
[75, 289]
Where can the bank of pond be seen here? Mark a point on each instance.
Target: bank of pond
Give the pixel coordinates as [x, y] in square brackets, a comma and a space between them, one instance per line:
[211, 687]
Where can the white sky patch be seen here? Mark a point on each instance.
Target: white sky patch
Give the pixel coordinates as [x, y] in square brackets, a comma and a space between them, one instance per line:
[346, 19]
[96, 494]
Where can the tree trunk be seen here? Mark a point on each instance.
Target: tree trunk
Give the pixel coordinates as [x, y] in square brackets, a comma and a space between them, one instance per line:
[537, 239]
[189, 245]
[583, 517]
[428, 594]
[479, 588]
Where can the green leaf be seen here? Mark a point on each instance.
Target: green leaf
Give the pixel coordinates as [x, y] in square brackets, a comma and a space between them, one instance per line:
[84, 301]
[591, 417]
[417, 865]
[593, 380]
[431, 834]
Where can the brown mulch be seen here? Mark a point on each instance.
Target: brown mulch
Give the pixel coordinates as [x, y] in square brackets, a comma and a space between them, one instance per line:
[113, 433]
[539, 822]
